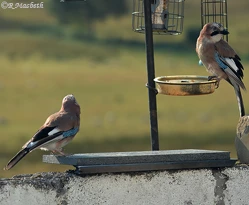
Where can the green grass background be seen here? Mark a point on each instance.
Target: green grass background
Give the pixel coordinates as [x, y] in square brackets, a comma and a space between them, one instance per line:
[107, 75]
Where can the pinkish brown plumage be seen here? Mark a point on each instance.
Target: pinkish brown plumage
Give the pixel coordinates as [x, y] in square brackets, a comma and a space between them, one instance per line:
[58, 130]
[220, 59]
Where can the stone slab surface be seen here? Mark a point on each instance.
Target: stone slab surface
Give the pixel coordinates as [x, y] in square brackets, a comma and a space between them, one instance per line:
[94, 169]
[143, 161]
[137, 157]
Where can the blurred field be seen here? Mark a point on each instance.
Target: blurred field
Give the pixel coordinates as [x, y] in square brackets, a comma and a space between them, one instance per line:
[108, 78]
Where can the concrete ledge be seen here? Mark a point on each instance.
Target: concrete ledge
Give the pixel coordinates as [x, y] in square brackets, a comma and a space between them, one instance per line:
[199, 186]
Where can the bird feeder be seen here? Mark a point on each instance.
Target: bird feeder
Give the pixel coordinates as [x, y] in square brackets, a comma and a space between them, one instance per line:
[167, 16]
[211, 11]
[214, 11]
[185, 85]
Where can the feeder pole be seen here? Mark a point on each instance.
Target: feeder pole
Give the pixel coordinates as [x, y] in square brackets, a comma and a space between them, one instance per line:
[151, 75]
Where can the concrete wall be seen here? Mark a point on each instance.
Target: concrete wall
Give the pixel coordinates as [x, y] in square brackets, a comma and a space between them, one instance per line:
[186, 187]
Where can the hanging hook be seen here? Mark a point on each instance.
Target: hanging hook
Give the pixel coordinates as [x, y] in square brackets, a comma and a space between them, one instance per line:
[154, 89]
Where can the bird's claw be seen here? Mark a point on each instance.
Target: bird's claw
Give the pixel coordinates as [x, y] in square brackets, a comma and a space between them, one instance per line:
[212, 77]
[217, 83]
[68, 154]
[65, 154]
[61, 153]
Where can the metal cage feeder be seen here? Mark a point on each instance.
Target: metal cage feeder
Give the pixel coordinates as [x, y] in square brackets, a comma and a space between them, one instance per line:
[214, 11]
[166, 15]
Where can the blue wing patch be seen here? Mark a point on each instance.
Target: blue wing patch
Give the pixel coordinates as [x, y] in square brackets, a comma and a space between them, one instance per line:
[71, 132]
[200, 63]
[220, 63]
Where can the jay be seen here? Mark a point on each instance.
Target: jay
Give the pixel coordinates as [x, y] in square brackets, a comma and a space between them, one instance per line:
[58, 130]
[220, 59]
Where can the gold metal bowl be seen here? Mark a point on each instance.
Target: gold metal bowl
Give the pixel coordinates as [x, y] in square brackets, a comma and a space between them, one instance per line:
[185, 85]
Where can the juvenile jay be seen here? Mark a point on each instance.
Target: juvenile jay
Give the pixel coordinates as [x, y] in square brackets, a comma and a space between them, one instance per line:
[58, 130]
[220, 59]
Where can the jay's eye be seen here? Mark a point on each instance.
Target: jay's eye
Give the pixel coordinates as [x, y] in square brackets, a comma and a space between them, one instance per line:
[215, 32]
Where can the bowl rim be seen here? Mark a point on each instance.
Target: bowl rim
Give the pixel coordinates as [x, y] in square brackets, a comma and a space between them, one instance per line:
[175, 77]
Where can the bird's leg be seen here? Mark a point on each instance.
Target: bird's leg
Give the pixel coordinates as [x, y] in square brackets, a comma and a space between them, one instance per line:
[55, 152]
[63, 153]
[213, 77]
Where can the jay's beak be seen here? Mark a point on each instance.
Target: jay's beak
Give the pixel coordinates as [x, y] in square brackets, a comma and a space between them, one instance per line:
[224, 32]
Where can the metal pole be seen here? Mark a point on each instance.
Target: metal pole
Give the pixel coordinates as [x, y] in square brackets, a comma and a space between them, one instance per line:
[151, 75]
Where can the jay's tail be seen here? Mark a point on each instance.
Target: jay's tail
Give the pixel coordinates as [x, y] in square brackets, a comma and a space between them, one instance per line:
[22, 153]
[239, 100]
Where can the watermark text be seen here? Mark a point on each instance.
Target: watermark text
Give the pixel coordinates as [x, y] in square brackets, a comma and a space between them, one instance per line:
[31, 5]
